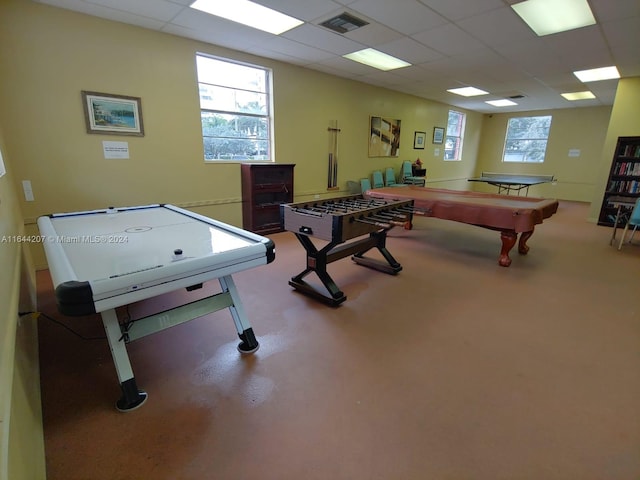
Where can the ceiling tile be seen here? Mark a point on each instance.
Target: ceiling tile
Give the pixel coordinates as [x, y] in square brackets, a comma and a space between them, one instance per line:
[594, 50]
[107, 13]
[409, 50]
[323, 38]
[306, 10]
[405, 16]
[607, 10]
[295, 49]
[497, 27]
[156, 9]
[448, 39]
[221, 31]
[455, 10]
[373, 34]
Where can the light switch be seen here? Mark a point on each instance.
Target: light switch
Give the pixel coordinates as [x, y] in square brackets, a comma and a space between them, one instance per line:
[28, 191]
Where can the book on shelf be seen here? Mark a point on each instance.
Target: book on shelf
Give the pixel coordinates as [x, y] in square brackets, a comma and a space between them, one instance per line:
[624, 186]
[627, 168]
[630, 150]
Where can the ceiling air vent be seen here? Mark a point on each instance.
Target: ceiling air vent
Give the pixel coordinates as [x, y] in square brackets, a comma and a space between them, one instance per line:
[344, 23]
[516, 96]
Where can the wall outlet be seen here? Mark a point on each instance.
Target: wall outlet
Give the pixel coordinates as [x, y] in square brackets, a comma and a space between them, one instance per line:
[316, 196]
[28, 191]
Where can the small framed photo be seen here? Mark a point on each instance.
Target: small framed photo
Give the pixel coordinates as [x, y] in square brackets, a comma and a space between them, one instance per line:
[438, 134]
[110, 114]
[419, 139]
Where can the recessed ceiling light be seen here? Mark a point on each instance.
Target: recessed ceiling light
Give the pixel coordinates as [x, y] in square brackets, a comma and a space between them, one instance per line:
[468, 91]
[596, 74]
[501, 103]
[376, 59]
[578, 95]
[248, 13]
[552, 16]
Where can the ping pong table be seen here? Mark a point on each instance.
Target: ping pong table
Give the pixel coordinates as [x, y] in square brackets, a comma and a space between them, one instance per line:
[508, 182]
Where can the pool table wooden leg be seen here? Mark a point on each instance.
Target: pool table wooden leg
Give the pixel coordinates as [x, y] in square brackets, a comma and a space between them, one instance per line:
[508, 238]
[523, 248]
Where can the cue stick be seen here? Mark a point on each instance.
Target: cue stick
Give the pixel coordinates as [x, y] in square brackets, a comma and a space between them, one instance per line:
[333, 155]
[335, 160]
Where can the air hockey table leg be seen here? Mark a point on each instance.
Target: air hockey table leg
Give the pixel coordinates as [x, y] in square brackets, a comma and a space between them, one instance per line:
[249, 343]
[132, 397]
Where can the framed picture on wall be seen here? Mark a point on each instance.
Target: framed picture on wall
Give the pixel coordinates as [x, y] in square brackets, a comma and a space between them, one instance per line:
[384, 137]
[438, 134]
[419, 139]
[112, 114]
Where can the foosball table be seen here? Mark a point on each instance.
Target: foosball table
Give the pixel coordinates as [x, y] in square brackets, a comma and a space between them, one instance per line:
[340, 222]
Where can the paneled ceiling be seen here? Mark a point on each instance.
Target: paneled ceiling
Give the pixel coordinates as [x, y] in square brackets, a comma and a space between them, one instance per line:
[450, 44]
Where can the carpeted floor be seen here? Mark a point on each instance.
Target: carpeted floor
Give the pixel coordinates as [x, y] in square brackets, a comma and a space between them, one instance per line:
[455, 369]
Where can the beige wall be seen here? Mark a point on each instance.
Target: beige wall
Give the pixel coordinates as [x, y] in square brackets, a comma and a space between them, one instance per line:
[21, 440]
[583, 129]
[624, 122]
[54, 54]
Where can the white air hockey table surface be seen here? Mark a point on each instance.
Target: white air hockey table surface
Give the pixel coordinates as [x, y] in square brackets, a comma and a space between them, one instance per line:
[103, 259]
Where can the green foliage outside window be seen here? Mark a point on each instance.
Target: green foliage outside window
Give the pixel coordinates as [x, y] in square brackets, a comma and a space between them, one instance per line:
[526, 139]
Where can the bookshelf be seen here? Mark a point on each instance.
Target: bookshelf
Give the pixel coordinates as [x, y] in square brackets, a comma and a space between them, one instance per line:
[624, 178]
[264, 187]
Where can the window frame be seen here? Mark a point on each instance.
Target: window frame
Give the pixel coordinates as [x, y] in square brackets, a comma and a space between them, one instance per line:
[527, 153]
[268, 116]
[458, 143]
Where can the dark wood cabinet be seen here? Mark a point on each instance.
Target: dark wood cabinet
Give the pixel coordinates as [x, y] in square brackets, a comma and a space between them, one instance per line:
[624, 178]
[265, 187]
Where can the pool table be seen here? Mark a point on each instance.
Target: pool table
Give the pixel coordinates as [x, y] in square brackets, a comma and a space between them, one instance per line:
[510, 215]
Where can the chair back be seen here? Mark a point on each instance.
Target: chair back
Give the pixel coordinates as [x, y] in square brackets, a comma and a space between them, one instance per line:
[378, 182]
[407, 171]
[634, 219]
[365, 184]
[390, 177]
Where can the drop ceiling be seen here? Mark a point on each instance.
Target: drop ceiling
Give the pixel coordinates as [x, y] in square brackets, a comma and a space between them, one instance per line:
[450, 44]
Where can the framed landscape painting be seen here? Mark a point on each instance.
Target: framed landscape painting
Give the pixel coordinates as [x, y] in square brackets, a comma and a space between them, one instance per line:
[112, 114]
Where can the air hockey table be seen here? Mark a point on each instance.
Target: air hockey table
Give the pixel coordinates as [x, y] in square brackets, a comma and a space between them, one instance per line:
[100, 260]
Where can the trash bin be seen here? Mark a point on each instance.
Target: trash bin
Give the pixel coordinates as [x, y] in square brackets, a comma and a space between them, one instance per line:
[353, 187]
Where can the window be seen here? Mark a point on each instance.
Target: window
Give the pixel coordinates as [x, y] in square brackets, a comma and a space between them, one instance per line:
[235, 109]
[526, 139]
[455, 134]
